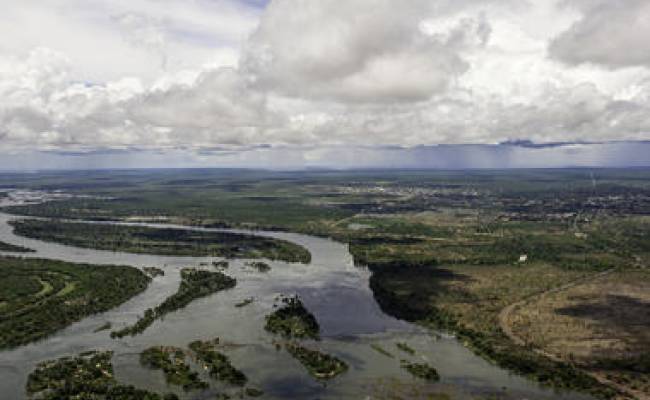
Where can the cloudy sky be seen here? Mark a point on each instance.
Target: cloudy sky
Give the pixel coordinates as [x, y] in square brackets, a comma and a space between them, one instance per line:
[289, 83]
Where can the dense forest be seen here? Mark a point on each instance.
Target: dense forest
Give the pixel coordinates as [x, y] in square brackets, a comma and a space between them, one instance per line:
[292, 320]
[217, 364]
[39, 297]
[180, 242]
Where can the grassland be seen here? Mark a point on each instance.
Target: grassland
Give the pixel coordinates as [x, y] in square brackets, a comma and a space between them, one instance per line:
[39, 297]
[447, 249]
[462, 281]
[600, 324]
[168, 241]
[220, 198]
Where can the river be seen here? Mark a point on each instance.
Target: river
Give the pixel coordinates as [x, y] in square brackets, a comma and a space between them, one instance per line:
[331, 287]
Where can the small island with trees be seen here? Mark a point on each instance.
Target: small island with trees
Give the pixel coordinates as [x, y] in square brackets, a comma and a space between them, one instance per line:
[153, 271]
[161, 241]
[260, 266]
[421, 370]
[318, 364]
[293, 321]
[87, 376]
[171, 360]
[195, 283]
[217, 363]
[12, 248]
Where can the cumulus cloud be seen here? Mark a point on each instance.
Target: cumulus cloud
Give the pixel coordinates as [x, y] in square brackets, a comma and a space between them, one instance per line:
[362, 50]
[609, 33]
[217, 108]
[40, 107]
[322, 73]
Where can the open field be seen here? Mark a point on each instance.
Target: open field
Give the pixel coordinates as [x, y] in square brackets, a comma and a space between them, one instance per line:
[602, 318]
[467, 300]
[300, 200]
[39, 297]
[601, 324]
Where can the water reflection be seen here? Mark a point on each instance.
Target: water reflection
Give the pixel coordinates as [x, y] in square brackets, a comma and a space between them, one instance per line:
[331, 287]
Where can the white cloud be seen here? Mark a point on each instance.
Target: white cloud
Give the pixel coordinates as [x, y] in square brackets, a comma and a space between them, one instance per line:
[609, 33]
[110, 39]
[360, 51]
[146, 32]
[354, 73]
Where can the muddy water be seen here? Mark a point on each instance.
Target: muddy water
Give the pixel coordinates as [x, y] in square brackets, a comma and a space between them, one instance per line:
[331, 287]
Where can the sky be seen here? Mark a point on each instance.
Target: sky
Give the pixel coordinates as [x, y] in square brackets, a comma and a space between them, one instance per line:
[326, 83]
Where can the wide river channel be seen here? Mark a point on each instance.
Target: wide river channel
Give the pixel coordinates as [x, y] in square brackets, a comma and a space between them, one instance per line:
[331, 287]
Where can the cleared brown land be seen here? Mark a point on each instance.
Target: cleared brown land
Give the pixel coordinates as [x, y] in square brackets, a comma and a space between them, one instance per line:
[599, 324]
[486, 290]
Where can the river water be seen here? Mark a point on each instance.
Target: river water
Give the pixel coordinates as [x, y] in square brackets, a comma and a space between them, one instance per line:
[331, 287]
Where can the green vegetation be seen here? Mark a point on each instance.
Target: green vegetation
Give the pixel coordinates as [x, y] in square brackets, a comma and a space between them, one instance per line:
[104, 327]
[293, 320]
[245, 302]
[195, 284]
[39, 297]
[12, 248]
[87, 376]
[153, 271]
[405, 348]
[584, 323]
[381, 350]
[253, 392]
[260, 266]
[421, 370]
[171, 360]
[218, 364]
[164, 241]
[467, 300]
[633, 372]
[211, 198]
[444, 247]
[319, 365]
